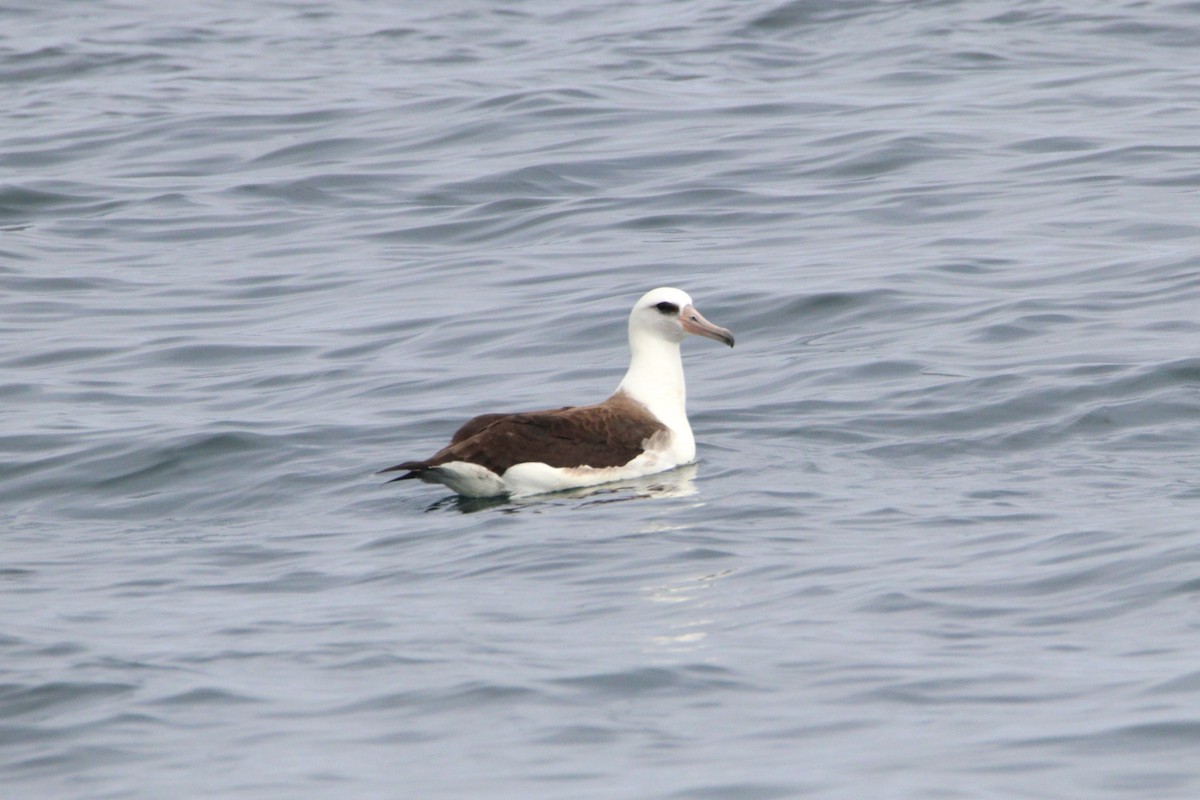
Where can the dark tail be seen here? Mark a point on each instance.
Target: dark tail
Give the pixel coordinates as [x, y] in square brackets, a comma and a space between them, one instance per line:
[414, 470]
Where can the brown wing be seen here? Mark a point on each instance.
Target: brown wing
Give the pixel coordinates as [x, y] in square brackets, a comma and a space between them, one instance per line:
[609, 434]
[474, 426]
[477, 424]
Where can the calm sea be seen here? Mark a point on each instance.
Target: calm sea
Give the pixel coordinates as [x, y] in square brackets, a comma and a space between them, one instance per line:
[943, 538]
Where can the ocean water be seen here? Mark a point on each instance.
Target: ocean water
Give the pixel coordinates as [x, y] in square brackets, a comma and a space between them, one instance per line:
[942, 539]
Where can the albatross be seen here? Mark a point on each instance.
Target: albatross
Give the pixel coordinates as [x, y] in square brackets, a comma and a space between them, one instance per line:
[640, 430]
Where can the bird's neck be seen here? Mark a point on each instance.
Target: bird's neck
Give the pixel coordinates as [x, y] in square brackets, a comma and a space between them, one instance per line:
[655, 379]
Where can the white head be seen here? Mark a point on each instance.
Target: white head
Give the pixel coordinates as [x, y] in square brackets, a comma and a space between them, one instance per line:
[668, 314]
[658, 323]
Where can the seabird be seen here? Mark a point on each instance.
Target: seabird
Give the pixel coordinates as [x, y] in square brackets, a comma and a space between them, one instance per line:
[640, 430]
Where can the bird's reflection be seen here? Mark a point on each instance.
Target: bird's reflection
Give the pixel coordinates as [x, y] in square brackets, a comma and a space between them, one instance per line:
[690, 629]
[679, 482]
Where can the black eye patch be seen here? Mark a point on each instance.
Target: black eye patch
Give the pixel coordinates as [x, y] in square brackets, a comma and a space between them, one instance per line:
[667, 308]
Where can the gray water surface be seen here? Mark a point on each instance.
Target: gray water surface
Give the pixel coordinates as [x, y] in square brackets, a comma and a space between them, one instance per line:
[942, 538]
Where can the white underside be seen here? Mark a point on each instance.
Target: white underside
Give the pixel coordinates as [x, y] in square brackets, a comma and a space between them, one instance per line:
[534, 477]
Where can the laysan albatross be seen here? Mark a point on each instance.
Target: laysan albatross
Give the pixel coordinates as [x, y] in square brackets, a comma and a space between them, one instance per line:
[640, 430]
